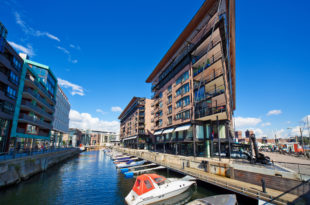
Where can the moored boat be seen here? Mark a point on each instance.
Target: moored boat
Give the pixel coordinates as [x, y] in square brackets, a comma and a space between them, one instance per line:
[130, 163]
[222, 199]
[152, 188]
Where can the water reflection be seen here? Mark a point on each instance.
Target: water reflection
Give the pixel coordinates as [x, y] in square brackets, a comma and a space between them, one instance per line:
[90, 178]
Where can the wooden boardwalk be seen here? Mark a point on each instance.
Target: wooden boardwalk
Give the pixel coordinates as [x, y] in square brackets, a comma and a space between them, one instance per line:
[240, 187]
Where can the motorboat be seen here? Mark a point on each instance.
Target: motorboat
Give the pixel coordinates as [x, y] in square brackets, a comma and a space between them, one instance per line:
[130, 163]
[222, 199]
[152, 188]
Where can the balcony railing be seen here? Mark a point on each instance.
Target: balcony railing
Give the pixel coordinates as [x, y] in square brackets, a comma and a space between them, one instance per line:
[35, 120]
[204, 51]
[37, 109]
[218, 72]
[207, 111]
[210, 94]
[210, 61]
[37, 96]
[42, 88]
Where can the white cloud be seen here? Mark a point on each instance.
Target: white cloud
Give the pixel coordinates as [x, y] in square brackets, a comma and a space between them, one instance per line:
[266, 124]
[76, 89]
[274, 112]
[86, 121]
[77, 47]
[31, 31]
[246, 121]
[63, 50]
[100, 111]
[28, 50]
[116, 109]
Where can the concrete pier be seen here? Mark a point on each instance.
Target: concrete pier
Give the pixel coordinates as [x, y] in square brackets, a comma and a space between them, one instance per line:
[15, 170]
[242, 179]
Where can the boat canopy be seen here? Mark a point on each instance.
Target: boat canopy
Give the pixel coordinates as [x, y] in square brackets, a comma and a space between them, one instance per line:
[144, 183]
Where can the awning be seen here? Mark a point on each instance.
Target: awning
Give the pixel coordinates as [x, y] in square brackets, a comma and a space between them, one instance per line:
[158, 132]
[130, 138]
[182, 128]
[169, 130]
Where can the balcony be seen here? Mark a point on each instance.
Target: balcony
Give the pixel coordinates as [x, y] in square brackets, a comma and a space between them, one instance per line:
[208, 75]
[26, 105]
[210, 94]
[41, 89]
[37, 133]
[39, 98]
[35, 121]
[205, 49]
[210, 113]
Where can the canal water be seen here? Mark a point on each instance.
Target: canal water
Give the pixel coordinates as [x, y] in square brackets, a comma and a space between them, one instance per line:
[90, 178]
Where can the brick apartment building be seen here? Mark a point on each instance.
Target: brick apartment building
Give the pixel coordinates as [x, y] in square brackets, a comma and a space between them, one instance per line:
[194, 85]
[135, 127]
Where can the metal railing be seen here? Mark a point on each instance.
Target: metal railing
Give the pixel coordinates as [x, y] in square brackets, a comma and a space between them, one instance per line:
[210, 61]
[38, 97]
[211, 93]
[207, 111]
[217, 72]
[37, 109]
[30, 152]
[35, 121]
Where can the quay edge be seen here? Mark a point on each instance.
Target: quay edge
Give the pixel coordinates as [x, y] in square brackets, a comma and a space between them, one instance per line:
[16, 170]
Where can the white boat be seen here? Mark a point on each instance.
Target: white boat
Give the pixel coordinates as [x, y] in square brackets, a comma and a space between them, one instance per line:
[130, 163]
[222, 199]
[152, 188]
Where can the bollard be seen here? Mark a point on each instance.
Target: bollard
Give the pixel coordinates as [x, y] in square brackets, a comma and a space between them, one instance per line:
[263, 185]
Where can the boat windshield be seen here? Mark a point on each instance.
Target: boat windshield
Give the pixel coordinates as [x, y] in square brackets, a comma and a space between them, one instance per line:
[159, 180]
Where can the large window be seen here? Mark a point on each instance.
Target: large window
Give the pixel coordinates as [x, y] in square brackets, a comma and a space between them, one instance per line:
[169, 88]
[6, 107]
[11, 93]
[183, 102]
[51, 84]
[169, 120]
[13, 78]
[170, 109]
[182, 78]
[182, 90]
[200, 94]
[183, 115]
[169, 99]
[17, 65]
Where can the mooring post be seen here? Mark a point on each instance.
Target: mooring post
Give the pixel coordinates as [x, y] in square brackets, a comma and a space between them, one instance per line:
[263, 185]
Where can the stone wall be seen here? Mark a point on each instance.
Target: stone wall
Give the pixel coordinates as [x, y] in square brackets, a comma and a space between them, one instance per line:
[15, 170]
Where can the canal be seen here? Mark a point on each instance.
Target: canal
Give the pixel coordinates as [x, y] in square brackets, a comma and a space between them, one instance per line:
[90, 178]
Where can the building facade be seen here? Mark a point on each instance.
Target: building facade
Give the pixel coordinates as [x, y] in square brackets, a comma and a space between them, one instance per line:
[10, 70]
[61, 117]
[35, 105]
[194, 85]
[135, 127]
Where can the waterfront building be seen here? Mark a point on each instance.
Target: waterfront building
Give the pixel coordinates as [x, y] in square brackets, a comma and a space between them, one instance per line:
[238, 134]
[35, 105]
[193, 85]
[10, 71]
[61, 117]
[74, 137]
[135, 127]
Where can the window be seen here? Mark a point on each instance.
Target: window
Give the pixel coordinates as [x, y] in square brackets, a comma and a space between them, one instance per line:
[31, 129]
[13, 78]
[11, 93]
[169, 88]
[200, 93]
[183, 102]
[169, 99]
[148, 184]
[183, 115]
[160, 95]
[182, 90]
[182, 78]
[7, 107]
[169, 120]
[17, 65]
[170, 109]
[160, 104]
[160, 122]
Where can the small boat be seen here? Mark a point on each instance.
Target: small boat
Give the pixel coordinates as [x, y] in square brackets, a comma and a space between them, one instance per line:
[152, 188]
[223, 199]
[130, 163]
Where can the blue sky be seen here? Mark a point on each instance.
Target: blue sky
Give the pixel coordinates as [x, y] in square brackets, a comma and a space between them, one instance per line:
[103, 51]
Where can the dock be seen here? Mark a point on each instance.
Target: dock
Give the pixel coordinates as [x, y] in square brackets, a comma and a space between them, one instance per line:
[141, 166]
[223, 175]
[148, 170]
